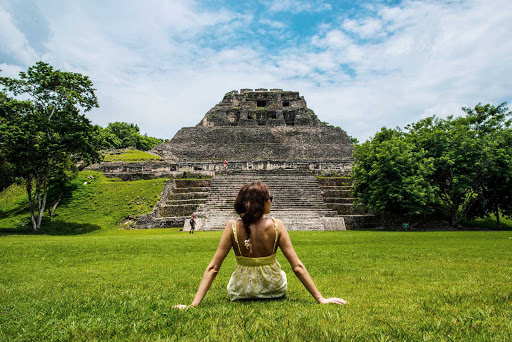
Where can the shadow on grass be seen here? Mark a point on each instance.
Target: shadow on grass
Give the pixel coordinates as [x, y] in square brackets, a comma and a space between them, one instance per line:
[53, 228]
[20, 208]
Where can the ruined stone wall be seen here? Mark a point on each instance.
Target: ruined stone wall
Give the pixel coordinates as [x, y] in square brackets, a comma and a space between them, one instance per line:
[297, 143]
[261, 107]
[157, 169]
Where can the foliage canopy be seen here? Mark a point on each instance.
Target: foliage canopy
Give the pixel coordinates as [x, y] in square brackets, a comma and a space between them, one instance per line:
[458, 167]
[123, 135]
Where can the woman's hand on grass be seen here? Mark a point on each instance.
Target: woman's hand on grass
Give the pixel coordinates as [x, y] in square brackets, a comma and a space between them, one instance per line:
[182, 307]
[338, 301]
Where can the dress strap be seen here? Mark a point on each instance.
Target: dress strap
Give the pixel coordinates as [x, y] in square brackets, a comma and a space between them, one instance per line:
[233, 226]
[275, 241]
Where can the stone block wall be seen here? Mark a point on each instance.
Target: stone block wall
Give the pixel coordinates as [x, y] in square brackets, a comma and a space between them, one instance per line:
[258, 143]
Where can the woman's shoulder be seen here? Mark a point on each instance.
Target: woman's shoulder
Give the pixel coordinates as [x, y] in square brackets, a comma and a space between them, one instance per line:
[279, 222]
[230, 222]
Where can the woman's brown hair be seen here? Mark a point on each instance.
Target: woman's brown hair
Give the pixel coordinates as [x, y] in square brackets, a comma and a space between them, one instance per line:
[250, 203]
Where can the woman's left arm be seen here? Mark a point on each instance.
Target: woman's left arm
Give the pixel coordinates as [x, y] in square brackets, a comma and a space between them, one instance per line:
[213, 268]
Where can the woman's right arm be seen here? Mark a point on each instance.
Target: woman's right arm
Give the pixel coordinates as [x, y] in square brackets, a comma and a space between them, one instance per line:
[299, 269]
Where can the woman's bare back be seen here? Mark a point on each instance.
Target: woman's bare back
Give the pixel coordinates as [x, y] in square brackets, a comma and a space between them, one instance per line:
[263, 236]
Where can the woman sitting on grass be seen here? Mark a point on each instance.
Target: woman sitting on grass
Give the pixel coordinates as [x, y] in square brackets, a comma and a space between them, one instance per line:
[257, 274]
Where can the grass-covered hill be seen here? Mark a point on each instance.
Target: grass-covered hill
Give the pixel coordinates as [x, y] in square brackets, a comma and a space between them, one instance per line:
[129, 155]
[91, 202]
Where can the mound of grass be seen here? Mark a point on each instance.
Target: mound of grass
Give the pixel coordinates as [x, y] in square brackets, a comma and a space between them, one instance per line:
[121, 285]
[91, 202]
[129, 155]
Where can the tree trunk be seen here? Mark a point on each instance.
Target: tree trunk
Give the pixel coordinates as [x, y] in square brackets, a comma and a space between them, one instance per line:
[51, 211]
[453, 215]
[498, 224]
[28, 181]
[42, 199]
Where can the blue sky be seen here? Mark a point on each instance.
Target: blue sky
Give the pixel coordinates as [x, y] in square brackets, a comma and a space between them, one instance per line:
[360, 65]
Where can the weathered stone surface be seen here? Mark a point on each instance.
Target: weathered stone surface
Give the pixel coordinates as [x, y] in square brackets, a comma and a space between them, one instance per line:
[297, 198]
[207, 169]
[258, 143]
[334, 223]
[261, 107]
[258, 125]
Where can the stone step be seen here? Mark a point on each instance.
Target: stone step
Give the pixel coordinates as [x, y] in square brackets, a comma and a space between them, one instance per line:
[336, 187]
[190, 189]
[187, 183]
[185, 201]
[336, 193]
[177, 210]
[188, 195]
[346, 208]
[339, 200]
[299, 200]
[334, 181]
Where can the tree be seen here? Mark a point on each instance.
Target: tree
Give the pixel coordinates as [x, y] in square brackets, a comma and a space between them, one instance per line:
[123, 135]
[459, 162]
[6, 169]
[493, 129]
[391, 174]
[47, 133]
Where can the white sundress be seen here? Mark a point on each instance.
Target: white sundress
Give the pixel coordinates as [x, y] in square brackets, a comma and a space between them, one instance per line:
[260, 277]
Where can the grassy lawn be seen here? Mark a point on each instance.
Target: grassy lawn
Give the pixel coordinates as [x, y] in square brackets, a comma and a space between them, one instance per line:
[121, 285]
[82, 278]
[130, 156]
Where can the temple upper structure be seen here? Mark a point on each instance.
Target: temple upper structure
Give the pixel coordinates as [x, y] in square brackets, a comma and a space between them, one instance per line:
[257, 125]
[261, 107]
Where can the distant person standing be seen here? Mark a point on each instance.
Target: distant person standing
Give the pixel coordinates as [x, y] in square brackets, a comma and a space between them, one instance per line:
[192, 224]
[225, 164]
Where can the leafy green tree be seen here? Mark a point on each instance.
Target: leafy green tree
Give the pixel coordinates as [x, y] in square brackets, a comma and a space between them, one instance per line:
[6, 169]
[6, 174]
[492, 125]
[107, 140]
[459, 162]
[43, 135]
[391, 174]
[123, 135]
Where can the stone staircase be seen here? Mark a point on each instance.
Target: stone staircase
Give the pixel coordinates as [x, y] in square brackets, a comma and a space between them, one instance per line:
[337, 195]
[301, 200]
[297, 200]
[178, 200]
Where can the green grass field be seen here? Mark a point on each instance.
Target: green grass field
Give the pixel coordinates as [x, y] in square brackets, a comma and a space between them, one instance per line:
[121, 285]
[83, 278]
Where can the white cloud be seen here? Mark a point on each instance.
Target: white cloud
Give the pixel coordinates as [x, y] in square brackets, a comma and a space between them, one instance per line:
[162, 65]
[438, 58]
[272, 23]
[296, 6]
[14, 42]
[9, 70]
[365, 28]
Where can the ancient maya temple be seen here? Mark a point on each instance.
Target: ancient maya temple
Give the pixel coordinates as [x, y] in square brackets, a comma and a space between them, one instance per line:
[267, 135]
